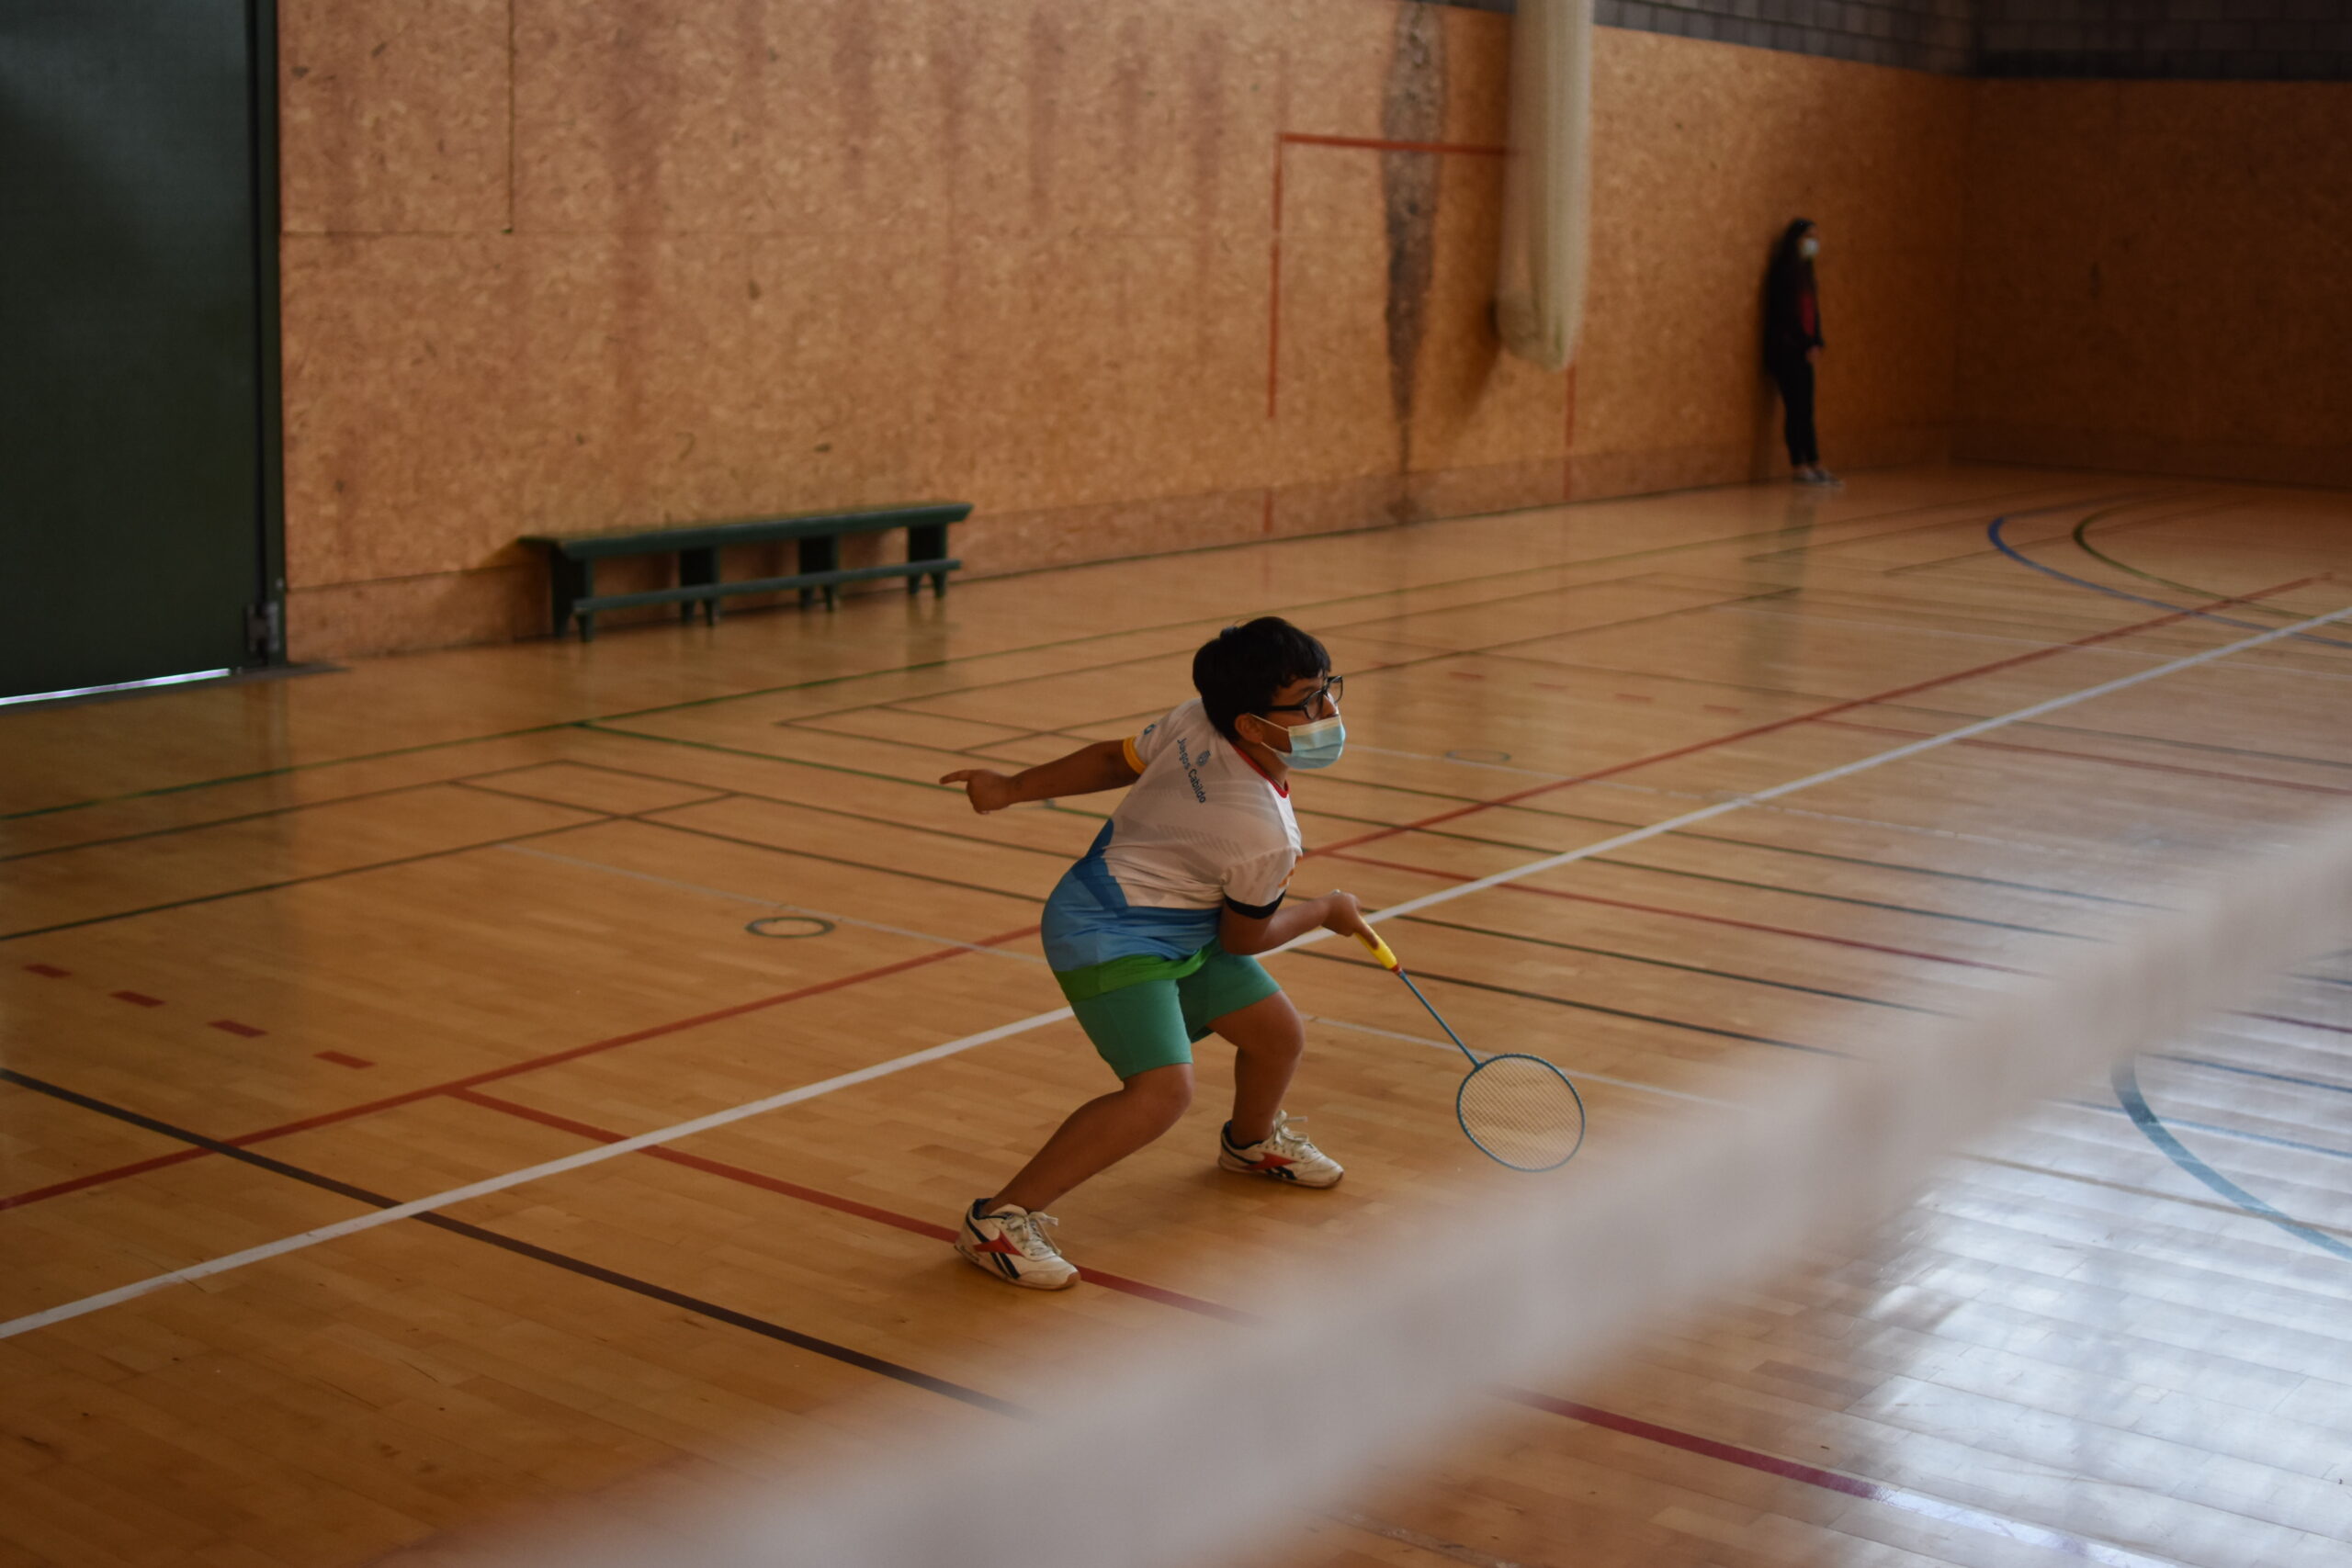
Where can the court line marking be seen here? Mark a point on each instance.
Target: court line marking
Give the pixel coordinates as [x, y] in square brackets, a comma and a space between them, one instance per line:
[1709, 1448]
[1791, 721]
[772, 903]
[1971, 502]
[2082, 543]
[69, 1310]
[635, 1284]
[2135, 1105]
[1993, 533]
[600, 726]
[1728, 600]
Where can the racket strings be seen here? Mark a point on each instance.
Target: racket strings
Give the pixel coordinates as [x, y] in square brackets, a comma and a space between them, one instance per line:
[1522, 1111]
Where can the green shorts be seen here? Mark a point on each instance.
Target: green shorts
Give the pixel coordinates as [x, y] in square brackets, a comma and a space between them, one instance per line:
[1153, 1022]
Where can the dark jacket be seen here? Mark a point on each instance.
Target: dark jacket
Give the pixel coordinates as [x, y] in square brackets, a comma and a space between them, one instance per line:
[1791, 304]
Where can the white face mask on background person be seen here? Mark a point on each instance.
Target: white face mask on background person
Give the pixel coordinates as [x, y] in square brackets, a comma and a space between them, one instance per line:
[1809, 247]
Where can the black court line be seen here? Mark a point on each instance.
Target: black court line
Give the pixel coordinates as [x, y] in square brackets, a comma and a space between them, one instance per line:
[1369, 821]
[565, 1261]
[1583, 1007]
[1493, 650]
[996, 653]
[1670, 963]
[305, 881]
[233, 821]
[1901, 707]
[649, 816]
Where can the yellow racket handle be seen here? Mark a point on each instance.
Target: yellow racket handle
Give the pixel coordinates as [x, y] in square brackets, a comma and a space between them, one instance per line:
[1379, 950]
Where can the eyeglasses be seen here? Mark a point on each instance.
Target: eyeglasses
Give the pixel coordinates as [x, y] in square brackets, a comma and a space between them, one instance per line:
[1330, 691]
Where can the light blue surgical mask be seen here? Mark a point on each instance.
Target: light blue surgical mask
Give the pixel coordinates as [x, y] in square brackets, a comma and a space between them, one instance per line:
[1318, 745]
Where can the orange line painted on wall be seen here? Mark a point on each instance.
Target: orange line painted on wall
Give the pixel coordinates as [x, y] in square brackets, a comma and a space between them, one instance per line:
[1475, 149]
[1274, 288]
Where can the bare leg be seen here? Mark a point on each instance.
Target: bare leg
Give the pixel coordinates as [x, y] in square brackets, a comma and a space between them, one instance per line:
[1267, 1039]
[1102, 1132]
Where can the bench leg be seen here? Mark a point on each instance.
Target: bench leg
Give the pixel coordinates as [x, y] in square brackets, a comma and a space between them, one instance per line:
[821, 553]
[925, 541]
[699, 569]
[576, 579]
[567, 584]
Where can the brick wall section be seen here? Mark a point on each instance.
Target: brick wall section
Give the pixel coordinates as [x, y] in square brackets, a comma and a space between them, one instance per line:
[2276, 41]
[1921, 35]
[2179, 39]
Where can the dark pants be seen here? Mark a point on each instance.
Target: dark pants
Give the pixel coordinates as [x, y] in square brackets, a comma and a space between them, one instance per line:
[1794, 377]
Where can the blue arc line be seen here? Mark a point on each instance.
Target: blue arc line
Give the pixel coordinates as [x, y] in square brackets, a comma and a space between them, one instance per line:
[2135, 1105]
[2002, 544]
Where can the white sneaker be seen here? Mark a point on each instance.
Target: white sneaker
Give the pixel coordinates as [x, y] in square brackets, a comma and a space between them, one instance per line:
[1283, 1156]
[1009, 1242]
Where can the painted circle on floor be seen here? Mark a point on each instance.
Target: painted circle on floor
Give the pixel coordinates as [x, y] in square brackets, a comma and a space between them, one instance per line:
[789, 925]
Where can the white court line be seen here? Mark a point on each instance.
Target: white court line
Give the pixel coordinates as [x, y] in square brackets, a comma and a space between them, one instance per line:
[602, 1152]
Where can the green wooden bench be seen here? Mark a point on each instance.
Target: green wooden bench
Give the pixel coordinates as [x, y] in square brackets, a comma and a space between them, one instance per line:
[573, 557]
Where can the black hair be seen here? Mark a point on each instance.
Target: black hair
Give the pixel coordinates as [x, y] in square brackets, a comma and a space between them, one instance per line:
[1239, 669]
[1797, 229]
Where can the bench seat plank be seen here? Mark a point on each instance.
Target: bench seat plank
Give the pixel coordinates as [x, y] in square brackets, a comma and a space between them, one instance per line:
[607, 542]
[573, 557]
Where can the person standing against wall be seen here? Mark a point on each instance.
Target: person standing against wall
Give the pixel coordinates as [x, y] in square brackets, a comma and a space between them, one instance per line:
[1792, 342]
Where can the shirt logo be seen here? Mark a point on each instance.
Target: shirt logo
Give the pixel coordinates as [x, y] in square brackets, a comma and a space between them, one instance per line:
[1192, 770]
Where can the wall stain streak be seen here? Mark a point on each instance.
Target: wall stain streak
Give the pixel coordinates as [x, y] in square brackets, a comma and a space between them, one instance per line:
[1412, 109]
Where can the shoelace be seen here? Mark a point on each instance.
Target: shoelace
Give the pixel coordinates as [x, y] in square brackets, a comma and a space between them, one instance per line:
[1029, 1236]
[1282, 1138]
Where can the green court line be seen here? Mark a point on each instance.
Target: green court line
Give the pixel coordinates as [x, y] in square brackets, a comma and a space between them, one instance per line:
[961, 658]
[835, 860]
[303, 881]
[288, 768]
[597, 727]
[241, 816]
[1427, 655]
[1585, 1007]
[1476, 839]
[2200, 593]
[1670, 963]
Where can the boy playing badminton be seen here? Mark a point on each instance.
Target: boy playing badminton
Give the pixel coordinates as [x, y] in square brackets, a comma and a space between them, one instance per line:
[1151, 933]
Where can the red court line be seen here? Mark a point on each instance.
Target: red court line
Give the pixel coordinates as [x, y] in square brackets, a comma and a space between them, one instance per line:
[2096, 757]
[1750, 733]
[1688, 1442]
[830, 1200]
[1590, 1416]
[513, 1069]
[75, 1184]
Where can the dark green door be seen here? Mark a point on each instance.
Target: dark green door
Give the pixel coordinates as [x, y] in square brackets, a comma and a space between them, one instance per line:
[133, 462]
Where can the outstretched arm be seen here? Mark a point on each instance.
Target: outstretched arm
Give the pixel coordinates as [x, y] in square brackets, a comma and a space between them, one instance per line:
[1101, 766]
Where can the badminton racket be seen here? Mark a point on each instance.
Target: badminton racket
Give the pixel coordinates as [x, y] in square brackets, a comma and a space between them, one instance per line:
[1518, 1109]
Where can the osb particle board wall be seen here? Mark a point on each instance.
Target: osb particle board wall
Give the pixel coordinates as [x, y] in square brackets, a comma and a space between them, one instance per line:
[2155, 278]
[1128, 276]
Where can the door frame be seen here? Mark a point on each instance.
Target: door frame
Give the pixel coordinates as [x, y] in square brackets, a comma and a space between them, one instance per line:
[269, 455]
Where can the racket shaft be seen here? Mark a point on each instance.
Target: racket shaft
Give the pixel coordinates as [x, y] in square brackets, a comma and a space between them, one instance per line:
[1439, 1017]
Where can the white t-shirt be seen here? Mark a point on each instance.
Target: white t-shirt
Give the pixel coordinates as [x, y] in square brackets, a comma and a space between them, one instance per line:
[1200, 826]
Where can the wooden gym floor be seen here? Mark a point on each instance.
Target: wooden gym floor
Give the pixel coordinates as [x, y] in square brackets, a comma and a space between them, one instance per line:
[278, 957]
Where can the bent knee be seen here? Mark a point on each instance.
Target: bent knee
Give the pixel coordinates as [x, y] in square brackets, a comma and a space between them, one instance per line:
[1167, 1090]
